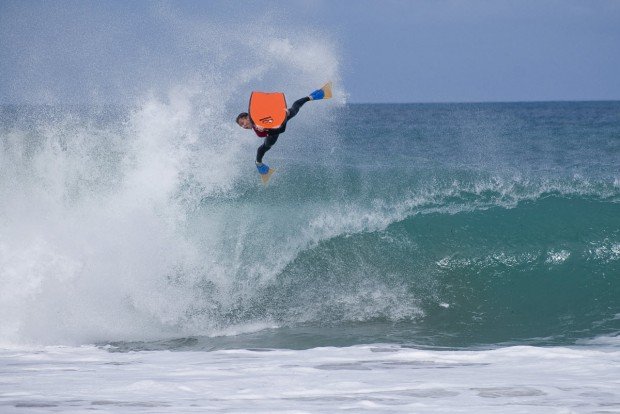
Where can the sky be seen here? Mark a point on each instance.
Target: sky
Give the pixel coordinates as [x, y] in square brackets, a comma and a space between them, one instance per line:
[388, 50]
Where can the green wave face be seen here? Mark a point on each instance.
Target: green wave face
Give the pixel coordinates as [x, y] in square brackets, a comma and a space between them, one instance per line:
[547, 270]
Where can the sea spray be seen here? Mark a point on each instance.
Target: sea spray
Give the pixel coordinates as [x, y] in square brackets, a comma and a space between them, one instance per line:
[99, 236]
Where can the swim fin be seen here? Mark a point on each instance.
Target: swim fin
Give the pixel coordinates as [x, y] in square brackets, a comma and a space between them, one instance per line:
[324, 93]
[265, 172]
[267, 176]
[262, 168]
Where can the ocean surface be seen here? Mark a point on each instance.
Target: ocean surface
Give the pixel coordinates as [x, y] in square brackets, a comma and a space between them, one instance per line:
[404, 258]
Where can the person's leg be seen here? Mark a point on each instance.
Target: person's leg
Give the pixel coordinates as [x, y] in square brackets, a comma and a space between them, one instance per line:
[269, 141]
[292, 111]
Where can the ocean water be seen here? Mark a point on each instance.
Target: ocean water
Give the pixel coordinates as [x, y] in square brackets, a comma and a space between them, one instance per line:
[404, 258]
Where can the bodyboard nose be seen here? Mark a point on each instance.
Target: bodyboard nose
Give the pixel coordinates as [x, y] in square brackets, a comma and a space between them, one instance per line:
[267, 109]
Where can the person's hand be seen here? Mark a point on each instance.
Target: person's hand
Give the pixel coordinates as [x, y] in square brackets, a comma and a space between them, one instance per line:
[259, 128]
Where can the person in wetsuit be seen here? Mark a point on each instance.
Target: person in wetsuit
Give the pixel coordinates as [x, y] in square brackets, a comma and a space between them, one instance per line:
[271, 135]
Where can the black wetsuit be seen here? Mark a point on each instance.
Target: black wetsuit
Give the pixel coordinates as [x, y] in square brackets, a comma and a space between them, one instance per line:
[272, 134]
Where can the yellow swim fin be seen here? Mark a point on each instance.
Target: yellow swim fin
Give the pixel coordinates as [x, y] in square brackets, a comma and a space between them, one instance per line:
[327, 89]
[266, 177]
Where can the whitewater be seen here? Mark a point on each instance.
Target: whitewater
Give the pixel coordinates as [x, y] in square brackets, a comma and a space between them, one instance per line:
[404, 258]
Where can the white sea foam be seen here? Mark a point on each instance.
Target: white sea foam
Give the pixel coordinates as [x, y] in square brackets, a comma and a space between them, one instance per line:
[557, 257]
[606, 251]
[377, 378]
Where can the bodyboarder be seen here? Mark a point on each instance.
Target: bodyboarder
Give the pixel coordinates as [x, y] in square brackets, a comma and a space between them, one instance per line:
[270, 135]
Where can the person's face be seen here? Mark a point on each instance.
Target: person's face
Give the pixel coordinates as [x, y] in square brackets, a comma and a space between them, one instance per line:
[245, 123]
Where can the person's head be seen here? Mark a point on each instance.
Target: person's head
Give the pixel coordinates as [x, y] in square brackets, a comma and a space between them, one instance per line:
[243, 120]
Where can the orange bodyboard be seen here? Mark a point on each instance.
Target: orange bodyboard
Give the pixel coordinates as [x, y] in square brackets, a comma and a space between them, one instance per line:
[268, 110]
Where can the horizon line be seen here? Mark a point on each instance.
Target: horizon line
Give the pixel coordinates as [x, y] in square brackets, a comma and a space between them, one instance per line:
[346, 103]
[481, 102]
